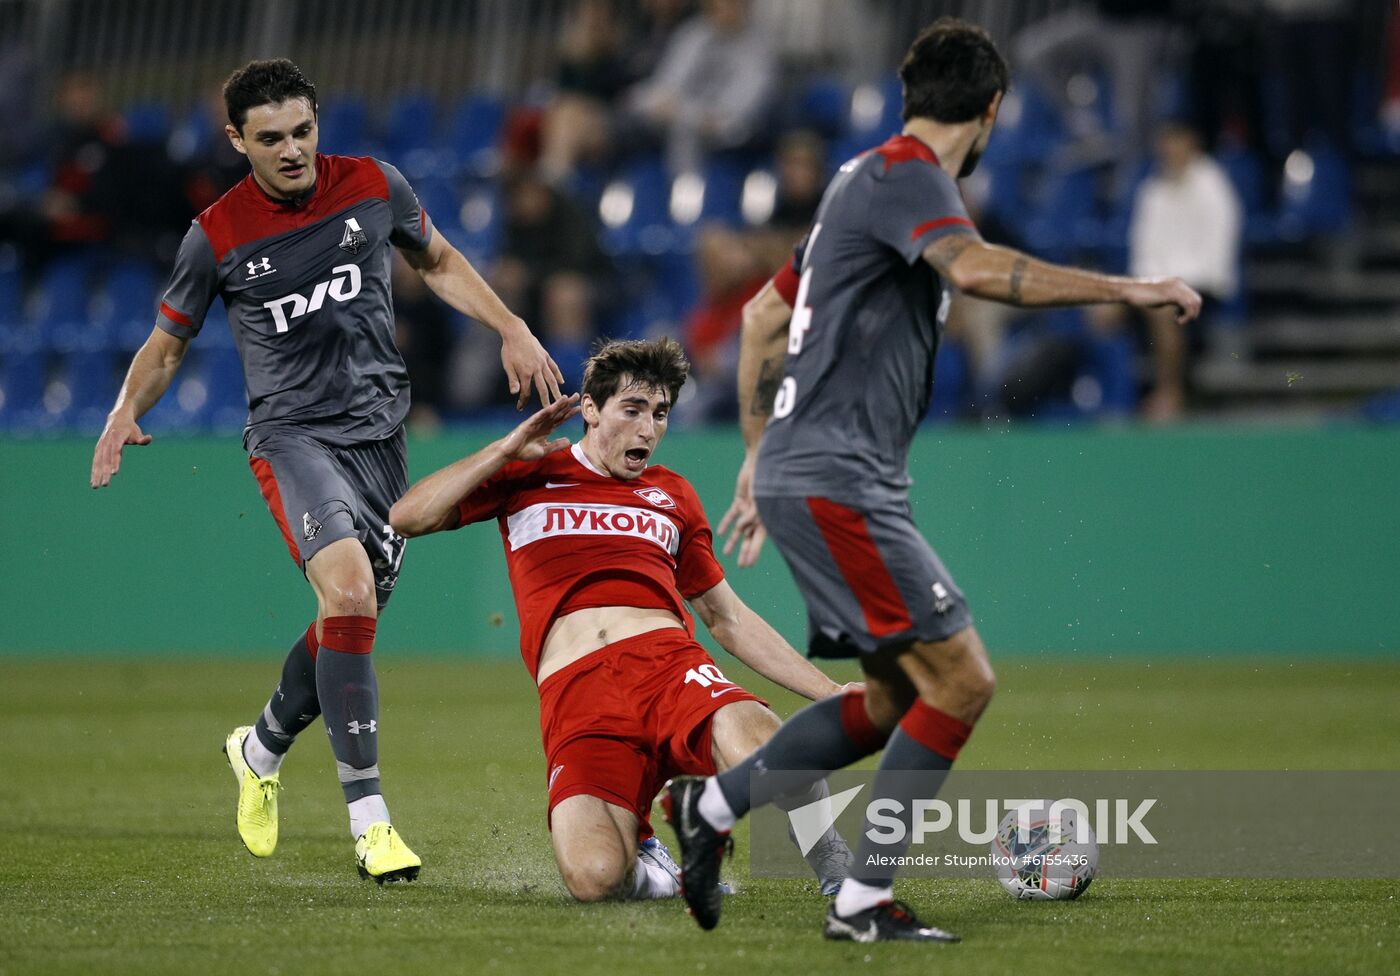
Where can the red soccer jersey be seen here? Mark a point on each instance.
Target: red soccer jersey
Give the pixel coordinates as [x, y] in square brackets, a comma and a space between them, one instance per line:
[576, 538]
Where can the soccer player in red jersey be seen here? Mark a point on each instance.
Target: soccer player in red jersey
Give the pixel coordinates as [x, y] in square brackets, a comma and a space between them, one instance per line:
[605, 549]
[300, 252]
[836, 374]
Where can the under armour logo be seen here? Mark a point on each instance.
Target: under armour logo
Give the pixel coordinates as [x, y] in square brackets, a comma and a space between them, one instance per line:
[260, 268]
[357, 727]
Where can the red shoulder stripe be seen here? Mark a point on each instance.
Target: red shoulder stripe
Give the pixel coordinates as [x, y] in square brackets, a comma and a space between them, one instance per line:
[247, 214]
[929, 225]
[179, 318]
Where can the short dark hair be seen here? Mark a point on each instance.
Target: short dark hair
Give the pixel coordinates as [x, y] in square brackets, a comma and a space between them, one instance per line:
[268, 82]
[952, 72]
[658, 364]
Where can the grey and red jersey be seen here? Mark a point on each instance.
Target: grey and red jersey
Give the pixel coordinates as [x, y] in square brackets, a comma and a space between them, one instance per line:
[867, 316]
[307, 289]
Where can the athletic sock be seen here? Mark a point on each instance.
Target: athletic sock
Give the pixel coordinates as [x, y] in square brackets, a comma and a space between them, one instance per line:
[292, 707]
[927, 741]
[857, 896]
[814, 793]
[349, 696]
[365, 811]
[826, 735]
[652, 881]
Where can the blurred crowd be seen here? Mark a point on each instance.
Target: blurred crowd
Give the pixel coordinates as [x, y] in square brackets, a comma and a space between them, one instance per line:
[667, 161]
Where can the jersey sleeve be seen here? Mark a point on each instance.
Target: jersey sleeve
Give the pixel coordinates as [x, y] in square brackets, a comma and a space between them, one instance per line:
[193, 285]
[914, 205]
[412, 228]
[697, 569]
[490, 499]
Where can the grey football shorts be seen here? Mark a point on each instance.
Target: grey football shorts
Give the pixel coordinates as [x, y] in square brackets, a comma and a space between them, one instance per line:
[869, 579]
[320, 493]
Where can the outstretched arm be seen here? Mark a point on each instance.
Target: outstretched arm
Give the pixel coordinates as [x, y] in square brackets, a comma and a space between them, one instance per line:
[753, 641]
[430, 504]
[453, 279]
[762, 355]
[152, 369]
[1003, 274]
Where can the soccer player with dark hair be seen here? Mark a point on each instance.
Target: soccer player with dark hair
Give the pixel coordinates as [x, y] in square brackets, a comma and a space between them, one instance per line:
[300, 253]
[839, 349]
[605, 550]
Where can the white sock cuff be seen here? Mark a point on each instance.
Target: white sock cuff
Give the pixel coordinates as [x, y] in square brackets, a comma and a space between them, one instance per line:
[365, 811]
[715, 808]
[260, 759]
[856, 896]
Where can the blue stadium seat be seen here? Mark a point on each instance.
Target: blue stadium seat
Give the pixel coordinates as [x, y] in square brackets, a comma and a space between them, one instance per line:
[227, 404]
[61, 307]
[344, 126]
[92, 380]
[724, 188]
[823, 105]
[23, 374]
[11, 289]
[1066, 219]
[644, 224]
[1317, 198]
[412, 126]
[125, 309]
[473, 134]
[147, 122]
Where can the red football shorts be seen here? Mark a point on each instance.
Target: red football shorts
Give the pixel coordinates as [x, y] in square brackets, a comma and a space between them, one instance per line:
[619, 722]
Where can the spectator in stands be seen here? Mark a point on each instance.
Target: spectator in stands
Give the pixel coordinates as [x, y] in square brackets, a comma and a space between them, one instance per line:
[599, 58]
[1126, 44]
[593, 72]
[801, 180]
[1186, 222]
[711, 89]
[102, 190]
[730, 273]
[551, 269]
[212, 166]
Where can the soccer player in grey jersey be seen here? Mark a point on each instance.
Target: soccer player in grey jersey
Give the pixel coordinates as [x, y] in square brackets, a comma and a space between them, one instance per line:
[839, 350]
[300, 252]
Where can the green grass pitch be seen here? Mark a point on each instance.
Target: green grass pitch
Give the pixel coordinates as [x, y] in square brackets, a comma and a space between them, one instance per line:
[120, 856]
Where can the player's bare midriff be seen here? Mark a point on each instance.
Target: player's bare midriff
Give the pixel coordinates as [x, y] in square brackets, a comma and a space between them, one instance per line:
[577, 635]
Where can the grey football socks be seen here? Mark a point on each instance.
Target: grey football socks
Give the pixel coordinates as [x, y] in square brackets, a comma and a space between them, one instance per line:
[826, 735]
[349, 695]
[292, 707]
[916, 762]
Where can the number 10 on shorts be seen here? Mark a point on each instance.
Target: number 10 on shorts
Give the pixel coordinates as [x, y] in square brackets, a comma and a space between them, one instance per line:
[706, 675]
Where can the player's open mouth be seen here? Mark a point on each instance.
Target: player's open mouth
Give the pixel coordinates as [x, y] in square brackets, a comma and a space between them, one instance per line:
[292, 172]
[637, 457]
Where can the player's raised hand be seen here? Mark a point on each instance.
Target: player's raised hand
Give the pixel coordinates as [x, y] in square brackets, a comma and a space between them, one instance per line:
[1156, 292]
[530, 440]
[742, 518]
[528, 365]
[107, 456]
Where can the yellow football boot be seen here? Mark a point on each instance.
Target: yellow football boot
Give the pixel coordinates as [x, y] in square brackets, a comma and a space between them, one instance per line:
[382, 855]
[257, 798]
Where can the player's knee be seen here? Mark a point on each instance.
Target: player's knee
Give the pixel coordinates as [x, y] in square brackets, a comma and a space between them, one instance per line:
[351, 596]
[594, 877]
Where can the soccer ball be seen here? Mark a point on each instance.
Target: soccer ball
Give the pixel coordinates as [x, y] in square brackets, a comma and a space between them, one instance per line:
[1045, 859]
